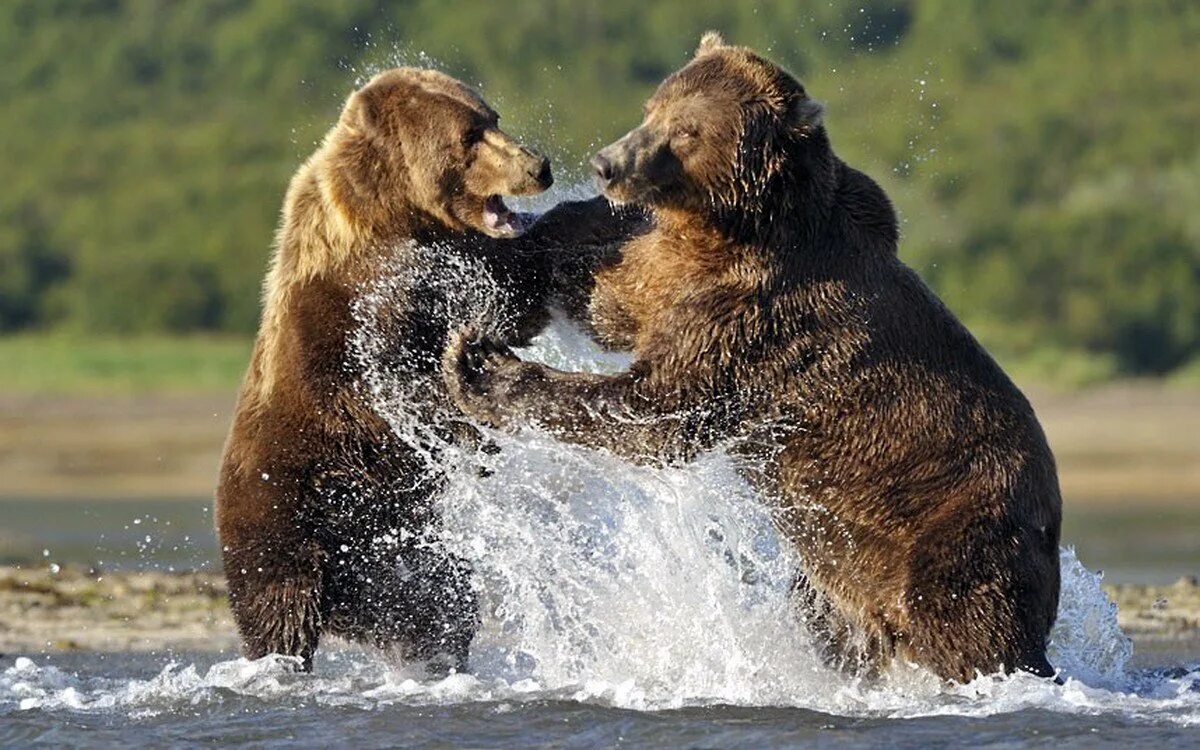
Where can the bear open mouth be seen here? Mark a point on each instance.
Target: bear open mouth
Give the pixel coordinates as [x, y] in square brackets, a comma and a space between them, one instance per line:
[500, 220]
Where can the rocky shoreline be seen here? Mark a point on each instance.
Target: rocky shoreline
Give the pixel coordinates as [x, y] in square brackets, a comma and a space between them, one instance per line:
[46, 609]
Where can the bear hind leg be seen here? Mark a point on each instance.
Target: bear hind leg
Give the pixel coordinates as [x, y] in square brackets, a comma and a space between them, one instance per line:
[276, 600]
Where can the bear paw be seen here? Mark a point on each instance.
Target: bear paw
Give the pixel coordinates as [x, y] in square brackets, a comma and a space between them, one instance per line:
[476, 370]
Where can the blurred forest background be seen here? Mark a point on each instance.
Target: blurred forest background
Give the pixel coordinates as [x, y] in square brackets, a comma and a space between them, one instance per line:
[1045, 155]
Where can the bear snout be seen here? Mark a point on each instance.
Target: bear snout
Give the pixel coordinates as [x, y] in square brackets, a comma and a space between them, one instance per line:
[541, 173]
[623, 161]
[603, 167]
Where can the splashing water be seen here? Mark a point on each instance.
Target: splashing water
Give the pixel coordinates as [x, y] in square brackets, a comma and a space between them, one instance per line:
[620, 586]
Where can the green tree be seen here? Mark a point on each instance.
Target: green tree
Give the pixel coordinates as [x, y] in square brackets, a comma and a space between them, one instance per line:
[1044, 156]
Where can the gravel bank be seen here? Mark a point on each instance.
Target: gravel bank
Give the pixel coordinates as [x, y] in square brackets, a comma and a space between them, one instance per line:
[42, 609]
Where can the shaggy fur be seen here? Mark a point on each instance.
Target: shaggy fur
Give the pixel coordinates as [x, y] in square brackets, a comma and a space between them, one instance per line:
[768, 312]
[325, 517]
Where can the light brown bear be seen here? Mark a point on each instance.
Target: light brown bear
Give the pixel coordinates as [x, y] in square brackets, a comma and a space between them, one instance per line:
[327, 518]
[768, 313]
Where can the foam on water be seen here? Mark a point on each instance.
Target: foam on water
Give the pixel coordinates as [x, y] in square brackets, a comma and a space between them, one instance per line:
[620, 585]
[645, 643]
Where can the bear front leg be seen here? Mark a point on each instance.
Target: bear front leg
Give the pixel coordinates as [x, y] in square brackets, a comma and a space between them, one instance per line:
[577, 239]
[593, 224]
[275, 594]
[618, 412]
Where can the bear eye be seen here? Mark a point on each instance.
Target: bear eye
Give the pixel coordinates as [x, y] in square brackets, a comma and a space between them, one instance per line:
[472, 136]
[684, 134]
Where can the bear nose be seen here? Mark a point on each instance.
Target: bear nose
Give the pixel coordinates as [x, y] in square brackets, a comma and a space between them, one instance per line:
[603, 167]
[542, 173]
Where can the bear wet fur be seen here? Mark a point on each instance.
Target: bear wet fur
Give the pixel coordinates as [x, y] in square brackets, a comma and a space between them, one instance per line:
[768, 312]
[326, 518]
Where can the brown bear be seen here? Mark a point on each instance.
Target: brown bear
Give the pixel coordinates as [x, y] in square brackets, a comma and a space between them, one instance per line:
[326, 517]
[768, 313]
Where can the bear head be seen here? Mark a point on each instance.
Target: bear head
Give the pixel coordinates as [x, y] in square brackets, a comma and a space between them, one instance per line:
[415, 144]
[727, 136]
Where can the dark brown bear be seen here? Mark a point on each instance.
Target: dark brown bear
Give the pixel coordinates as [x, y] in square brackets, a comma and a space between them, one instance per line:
[768, 312]
[325, 516]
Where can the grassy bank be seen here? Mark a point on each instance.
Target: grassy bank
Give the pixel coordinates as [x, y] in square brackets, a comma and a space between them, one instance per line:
[59, 364]
[1115, 445]
[70, 365]
[145, 418]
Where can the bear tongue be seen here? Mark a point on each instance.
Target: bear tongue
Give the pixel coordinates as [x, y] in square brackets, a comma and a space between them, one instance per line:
[495, 213]
[498, 218]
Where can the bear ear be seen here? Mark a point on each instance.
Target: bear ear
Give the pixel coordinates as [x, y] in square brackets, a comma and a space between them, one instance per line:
[805, 114]
[362, 112]
[711, 41]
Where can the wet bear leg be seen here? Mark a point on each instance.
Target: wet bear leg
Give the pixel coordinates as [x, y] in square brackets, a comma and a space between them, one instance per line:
[275, 593]
[840, 644]
[414, 601]
[444, 614]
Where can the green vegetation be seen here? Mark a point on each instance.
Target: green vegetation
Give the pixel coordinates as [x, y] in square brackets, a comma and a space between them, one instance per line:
[126, 365]
[1045, 156]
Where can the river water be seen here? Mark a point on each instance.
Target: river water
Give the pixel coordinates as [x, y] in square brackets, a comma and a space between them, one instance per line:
[622, 606]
